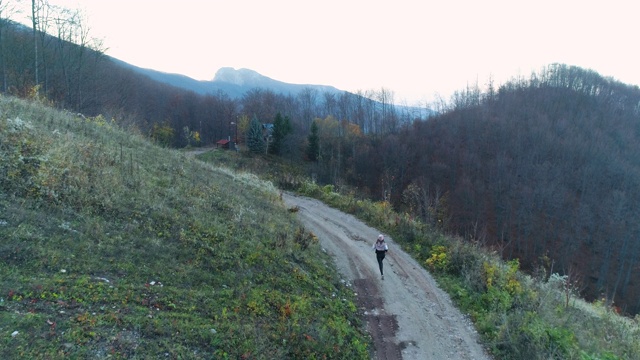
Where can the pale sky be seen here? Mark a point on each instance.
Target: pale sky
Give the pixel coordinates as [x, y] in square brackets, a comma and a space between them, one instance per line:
[419, 50]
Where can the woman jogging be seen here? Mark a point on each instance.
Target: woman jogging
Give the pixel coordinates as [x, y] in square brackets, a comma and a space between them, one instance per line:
[381, 249]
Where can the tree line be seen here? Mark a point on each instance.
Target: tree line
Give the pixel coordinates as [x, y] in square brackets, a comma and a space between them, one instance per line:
[545, 170]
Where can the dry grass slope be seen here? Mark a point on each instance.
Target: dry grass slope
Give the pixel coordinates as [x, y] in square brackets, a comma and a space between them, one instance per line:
[114, 247]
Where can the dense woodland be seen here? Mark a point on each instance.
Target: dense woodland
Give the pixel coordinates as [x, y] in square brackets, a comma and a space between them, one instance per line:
[544, 169]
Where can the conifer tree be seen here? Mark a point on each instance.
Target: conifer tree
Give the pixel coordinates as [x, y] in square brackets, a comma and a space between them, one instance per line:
[255, 140]
[281, 128]
[313, 146]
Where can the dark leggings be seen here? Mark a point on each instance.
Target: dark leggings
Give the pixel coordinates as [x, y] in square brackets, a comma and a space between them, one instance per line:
[380, 257]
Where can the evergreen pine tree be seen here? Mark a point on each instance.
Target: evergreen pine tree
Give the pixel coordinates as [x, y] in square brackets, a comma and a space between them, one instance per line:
[255, 140]
[281, 128]
[313, 146]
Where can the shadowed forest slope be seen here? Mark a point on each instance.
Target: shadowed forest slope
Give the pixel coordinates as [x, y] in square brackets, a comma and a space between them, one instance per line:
[545, 170]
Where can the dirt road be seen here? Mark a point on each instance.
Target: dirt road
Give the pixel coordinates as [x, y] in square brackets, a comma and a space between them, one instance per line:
[408, 316]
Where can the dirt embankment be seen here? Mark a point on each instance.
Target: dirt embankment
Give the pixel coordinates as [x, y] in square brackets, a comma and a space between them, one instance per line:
[408, 316]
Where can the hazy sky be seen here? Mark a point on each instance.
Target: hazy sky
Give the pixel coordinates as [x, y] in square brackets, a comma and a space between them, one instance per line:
[419, 50]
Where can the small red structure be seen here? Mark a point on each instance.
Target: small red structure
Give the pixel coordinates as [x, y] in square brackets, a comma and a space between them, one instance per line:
[224, 143]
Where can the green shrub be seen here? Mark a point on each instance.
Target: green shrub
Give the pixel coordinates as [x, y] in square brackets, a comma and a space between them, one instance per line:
[438, 261]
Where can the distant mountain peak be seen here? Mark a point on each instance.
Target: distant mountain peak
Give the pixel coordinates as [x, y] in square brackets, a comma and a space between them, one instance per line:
[239, 77]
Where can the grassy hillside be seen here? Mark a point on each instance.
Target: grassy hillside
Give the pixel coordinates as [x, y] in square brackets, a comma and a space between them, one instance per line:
[114, 247]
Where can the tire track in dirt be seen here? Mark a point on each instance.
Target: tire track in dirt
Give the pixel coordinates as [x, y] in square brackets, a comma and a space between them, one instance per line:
[407, 315]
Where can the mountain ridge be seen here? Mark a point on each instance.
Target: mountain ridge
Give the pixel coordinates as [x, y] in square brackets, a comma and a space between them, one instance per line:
[234, 82]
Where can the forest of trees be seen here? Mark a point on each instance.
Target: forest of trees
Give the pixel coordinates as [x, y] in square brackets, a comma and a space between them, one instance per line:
[545, 169]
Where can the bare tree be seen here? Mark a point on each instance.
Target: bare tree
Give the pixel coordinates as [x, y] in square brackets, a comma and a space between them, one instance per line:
[7, 10]
[41, 12]
[36, 8]
[74, 51]
[308, 102]
[388, 117]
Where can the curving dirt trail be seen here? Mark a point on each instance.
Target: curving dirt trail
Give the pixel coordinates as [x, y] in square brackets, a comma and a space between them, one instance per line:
[407, 315]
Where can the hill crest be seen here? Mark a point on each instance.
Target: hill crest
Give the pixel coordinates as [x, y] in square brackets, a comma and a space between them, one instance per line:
[233, 82]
